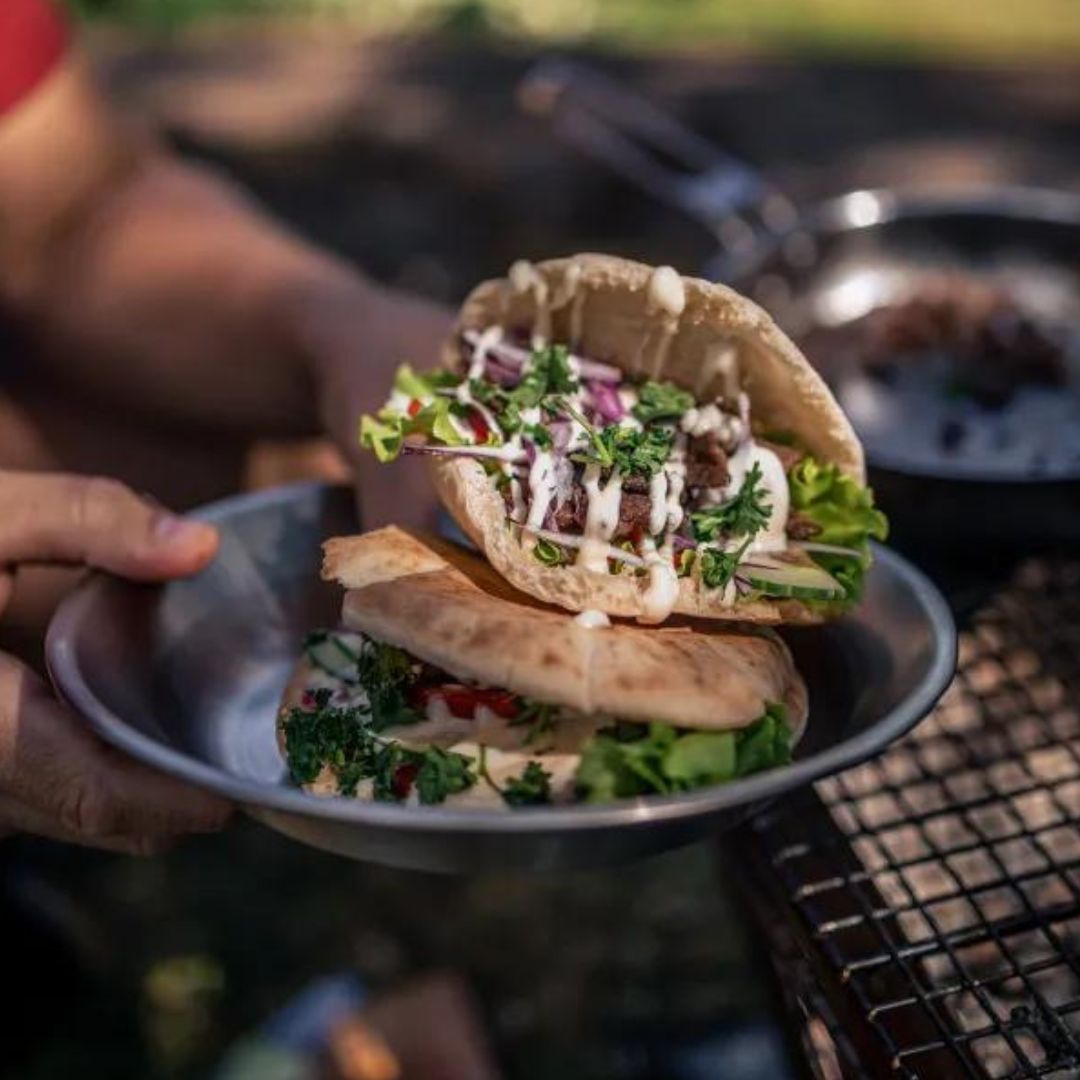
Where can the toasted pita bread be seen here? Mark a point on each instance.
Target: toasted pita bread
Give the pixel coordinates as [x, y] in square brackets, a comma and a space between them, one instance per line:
[785, 392]
[448, 607]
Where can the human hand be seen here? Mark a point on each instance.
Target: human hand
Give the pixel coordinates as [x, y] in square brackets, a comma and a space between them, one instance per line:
[56, 778]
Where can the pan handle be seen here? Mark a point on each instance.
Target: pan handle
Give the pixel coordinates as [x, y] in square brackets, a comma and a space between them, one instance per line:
[653, 151]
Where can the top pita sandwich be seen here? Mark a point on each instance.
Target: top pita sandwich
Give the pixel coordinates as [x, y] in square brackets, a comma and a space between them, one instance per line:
[446, 684]
[617, 437]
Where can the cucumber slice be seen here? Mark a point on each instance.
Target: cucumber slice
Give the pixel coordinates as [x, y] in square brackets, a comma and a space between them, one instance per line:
[334, 654]
[798, 581]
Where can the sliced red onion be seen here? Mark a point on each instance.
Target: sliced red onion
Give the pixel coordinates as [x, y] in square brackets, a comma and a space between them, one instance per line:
[514, 356]
[826, 549]
[496, 452]
[560, 432]
[502, 374]
[681, 543]
[605, 399]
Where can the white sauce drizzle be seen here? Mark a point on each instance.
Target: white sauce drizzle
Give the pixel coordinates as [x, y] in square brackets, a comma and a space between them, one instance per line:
[601, 519]
[663, 589]
[541, 488]
[525, 278]
[658, 490]
[665, 296]
[675, 469]
[592, 619]
[775, 485]
[721, 365]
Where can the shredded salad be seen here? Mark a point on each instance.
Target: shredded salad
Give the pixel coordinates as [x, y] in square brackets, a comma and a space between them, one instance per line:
[378, 723]
[622, 474]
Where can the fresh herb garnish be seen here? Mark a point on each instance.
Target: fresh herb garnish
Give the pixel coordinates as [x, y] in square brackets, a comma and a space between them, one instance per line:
[633, 452]
[540, 436]
[385, 674]
[345, 741]
[547, 375]
[635, 759]
[718, 567]
[746, 514]
[661, 401]
[442, 773]
[531, 788]
[539, 717]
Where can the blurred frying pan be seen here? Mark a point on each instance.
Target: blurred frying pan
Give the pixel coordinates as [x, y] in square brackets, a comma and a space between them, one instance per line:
[1003, 479]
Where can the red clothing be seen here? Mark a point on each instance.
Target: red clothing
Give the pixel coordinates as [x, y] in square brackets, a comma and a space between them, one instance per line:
[33, 37]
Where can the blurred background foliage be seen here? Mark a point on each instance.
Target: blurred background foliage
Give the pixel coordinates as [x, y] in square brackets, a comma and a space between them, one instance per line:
[970, 28]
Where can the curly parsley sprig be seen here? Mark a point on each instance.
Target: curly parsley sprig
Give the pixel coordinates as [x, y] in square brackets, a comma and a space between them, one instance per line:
[746, 514]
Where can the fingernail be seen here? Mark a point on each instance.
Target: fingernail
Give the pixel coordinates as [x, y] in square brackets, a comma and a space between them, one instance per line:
[170, 529]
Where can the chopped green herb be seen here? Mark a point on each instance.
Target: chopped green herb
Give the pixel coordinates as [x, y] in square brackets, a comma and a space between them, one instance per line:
[531, 788]
[345, 741]
[540, 436]
[633, 452]
[442, 773]
[718, 567]
[539, 717]
[386, 673]
[746, 514]
[661, 401]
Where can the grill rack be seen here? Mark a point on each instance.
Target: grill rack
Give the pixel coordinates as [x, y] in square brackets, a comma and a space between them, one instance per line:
[925, 907]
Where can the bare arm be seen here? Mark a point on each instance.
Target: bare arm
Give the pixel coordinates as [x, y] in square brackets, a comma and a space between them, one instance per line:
[159, 285]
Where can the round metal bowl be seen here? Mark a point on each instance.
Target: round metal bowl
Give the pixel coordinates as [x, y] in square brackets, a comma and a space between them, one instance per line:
[187, 677]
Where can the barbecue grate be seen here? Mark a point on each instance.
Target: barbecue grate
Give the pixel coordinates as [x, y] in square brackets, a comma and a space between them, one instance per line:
[936, 890]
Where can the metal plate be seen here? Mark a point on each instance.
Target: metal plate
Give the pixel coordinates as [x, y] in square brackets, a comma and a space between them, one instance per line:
[870, 248]
[187, 678]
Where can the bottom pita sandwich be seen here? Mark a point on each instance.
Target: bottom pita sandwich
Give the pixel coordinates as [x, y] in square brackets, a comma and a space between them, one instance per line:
[446, 686]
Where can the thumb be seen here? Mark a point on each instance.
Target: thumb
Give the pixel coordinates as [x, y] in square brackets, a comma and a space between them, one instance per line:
[97, 522]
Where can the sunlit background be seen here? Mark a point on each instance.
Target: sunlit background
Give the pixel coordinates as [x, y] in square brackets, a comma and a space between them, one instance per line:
[389, 132]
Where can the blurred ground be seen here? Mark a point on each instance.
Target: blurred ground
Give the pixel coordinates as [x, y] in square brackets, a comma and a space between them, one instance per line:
[409, 157]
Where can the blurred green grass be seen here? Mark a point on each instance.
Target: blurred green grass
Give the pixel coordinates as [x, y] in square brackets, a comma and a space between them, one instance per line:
[959, 28]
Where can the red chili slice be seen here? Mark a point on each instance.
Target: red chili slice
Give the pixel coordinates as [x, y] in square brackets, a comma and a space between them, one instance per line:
[500, 702]
[463, 701]
[403, 780]
[414, 407]
[479, 427]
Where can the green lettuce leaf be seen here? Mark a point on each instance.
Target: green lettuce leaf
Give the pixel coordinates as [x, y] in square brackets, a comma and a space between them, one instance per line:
[844, 511]
[658, 759]
[384, 435]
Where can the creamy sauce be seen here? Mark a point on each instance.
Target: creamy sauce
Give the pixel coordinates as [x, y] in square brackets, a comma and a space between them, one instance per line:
[570, 292]
[675, 470]
[773, 482]
[541, 488]
[463, 392]
[658, 504]
[601, 519]
[702, 419]
[662, 591]
[592, 619]
[665, 296]
[525, 278]
[719, 372]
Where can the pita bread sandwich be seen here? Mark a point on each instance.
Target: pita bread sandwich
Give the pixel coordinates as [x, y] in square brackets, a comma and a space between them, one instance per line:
[446, 685]
[620, 438]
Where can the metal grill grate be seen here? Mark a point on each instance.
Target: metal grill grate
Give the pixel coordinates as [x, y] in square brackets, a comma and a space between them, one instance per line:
[937, 888]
